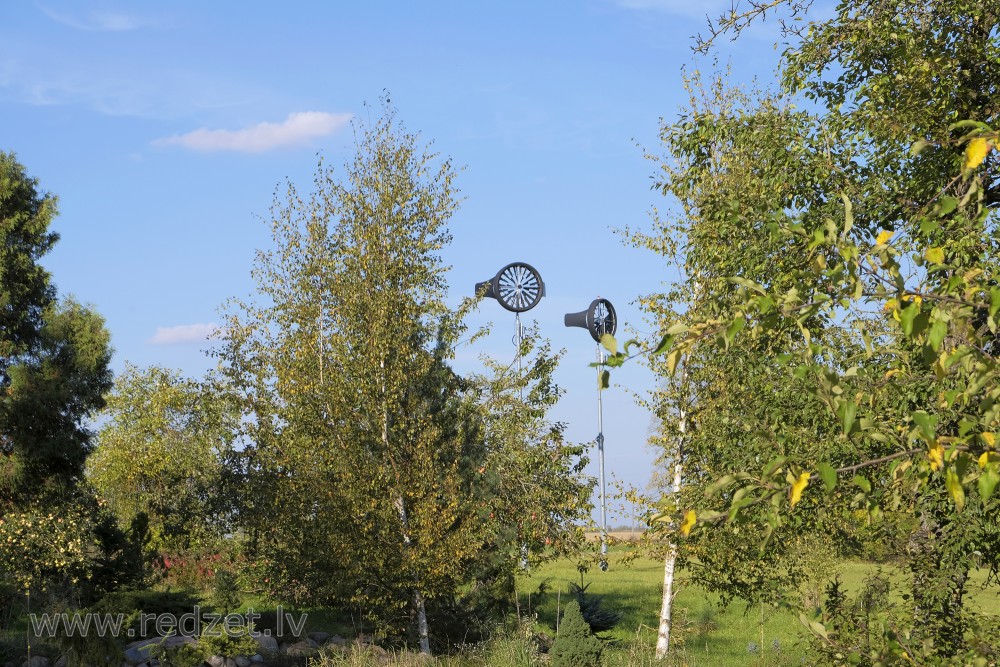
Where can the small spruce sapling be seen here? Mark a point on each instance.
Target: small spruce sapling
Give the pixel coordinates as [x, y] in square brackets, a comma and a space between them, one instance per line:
[576, 645]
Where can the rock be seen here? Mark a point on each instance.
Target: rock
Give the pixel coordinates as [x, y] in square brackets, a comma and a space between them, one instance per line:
[336, 640]
[61, 662]
[257, 657]
[36, 661]
[216, 661]
[267, 644]
[137, 653]
[242, 661]
[230, 662]
[302, 649]
[319, 637]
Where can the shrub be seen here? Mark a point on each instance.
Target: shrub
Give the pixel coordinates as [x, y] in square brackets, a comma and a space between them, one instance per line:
[591, 607]
[226, 592]
[575, 645]
[221, 642]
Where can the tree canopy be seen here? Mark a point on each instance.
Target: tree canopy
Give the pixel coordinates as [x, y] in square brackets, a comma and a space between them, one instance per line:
[837, 321]
[53, 355]
[376, 475]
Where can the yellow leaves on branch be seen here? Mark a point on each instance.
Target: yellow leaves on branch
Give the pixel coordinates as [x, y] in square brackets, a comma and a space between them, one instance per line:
[883, 237]
[935, 255]
[798, 486]
[976, 152]
[936, 455]
[690, 519]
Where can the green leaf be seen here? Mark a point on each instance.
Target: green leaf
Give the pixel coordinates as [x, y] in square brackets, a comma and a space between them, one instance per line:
[947, 205]
[604, 380]
[906, 318]
[609, 343]
[917, 147]
[720, 484]
[848, 213]
[847, 411]
[750, 284]
[734, 328]
[937, 333]
[829, 476]
[615, 361]
[988, 481]
[862, 483]
[815, 627]
[678, 328]
[773, 465]
[994, 301]
[664, 343]
[926, 422]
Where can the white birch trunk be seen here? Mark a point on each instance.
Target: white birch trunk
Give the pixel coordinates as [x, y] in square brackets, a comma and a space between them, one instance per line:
[418, 599]
[663, 635]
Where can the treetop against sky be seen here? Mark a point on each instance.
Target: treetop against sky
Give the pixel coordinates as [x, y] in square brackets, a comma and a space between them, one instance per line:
[166, 131]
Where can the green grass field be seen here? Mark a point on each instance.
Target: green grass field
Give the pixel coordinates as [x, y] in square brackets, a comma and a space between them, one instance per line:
[706, 634]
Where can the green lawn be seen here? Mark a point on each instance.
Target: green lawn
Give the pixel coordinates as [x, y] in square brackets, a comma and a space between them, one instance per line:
[708, 635]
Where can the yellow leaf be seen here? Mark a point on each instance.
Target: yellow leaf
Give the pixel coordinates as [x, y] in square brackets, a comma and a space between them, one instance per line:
[984, 459]
[936, 454]
[891, 372]
[690, 518]
[883, 237]
[891, 304]
[976, 152]
[935, 255]
[798, 486]
[672, 360]
[989, 438]
[955, 488]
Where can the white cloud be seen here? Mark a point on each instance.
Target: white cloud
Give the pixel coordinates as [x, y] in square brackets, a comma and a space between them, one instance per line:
[298, 129]
[183, 333]
[97, 21]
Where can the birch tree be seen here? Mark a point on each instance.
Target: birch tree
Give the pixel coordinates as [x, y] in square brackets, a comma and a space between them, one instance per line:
[364, 441]
[848, 262]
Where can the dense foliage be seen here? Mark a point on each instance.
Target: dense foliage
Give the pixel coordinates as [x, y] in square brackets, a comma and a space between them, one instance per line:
[375, 476]
[162, 453]
[575, 644]
[839, 359]
[54, 372]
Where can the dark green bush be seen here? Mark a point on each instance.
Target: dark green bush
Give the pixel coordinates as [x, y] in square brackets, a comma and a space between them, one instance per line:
[575, 644]
[591, 606]
[225, 592]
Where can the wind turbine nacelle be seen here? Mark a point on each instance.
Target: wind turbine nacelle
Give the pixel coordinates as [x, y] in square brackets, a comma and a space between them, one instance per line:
[518, 287]
[598, 319]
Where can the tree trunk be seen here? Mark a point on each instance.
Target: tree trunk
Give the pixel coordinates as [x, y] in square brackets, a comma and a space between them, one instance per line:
[404, 522]
[425, 642]
[418, 599]
[663, 636]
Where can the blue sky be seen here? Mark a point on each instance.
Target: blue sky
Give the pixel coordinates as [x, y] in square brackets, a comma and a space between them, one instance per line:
[166, 128]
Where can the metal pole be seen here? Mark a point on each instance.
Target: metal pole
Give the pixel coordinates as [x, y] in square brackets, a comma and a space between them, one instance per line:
[519, 339]
[600, 451]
